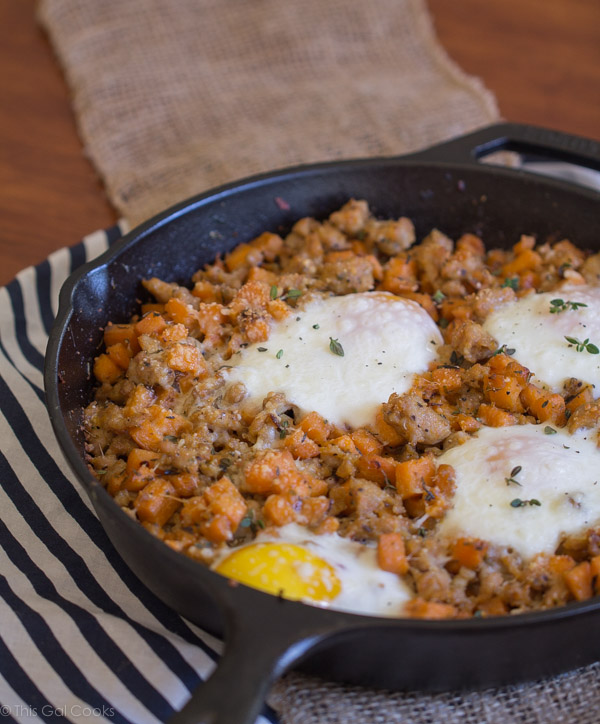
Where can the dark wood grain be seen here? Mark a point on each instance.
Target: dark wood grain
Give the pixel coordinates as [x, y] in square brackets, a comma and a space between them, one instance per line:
[541, 58]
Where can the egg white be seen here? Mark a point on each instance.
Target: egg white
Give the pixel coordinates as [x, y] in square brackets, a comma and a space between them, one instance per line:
[365, 588]
[537, 336]
[385, 340]
[558, 470]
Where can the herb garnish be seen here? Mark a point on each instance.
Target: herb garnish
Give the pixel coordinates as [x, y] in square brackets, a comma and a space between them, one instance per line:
[585, 345]
[336, 347]
[549, 430]
[512, 282]
[316, 326]
[273, 292]
[292, 294]
[262, 349]
[518, 503]
[279, 354]
[513, 474]
[558, 305]
[504, 350]
[439, 296]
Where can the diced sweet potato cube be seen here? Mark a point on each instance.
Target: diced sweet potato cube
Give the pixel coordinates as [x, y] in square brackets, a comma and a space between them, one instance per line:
[448, 379]
[313, 510]
[524, 261]
[469, 552]
[279, 510]
[366, 443]
[223, 498]
[301, 446]
[120, 354]
[595, 570]
[385, 432]
[494, 416]
[412, 475]
[185, 484]
[151, 323]
[391, 553]
[545, 405]
[379, 469]
[205, 290]
[181, 312]
[579, 581]
[156, 503]
[503, 391]
[105, 370]
[316, 427]
[243, 254]
[139, 400]
[399, 275]
[173, 333]
[124, 333]
[217, 529]
[495, 606]
[269, 244]
[159, 424]
[419, 608]
[186, 358]
[273, 469]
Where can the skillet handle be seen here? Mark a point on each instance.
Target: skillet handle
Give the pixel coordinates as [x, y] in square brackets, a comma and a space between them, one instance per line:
[517, 137]
[262, 642]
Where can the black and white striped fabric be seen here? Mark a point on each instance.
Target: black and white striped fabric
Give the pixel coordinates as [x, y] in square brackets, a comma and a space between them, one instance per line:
[81, 639]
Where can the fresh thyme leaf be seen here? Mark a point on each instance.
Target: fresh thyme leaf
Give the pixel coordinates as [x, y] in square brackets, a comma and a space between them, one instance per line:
[549, 430]
[336, 347]
[585, 345]
[559, 305]
[512, 282]
[292, 294]
[439, 296]
[518, 503]
[513, 474]
[273, 293]
[262, 349]
[504, 350]
[316, 326]
[279, 354]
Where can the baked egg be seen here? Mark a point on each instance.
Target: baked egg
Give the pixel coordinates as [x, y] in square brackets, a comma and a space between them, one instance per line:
[326, 570]
[341, 356]
[523, 487]
[555, 334]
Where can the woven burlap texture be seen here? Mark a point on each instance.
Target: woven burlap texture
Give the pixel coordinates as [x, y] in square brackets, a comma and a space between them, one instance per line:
[173, 98]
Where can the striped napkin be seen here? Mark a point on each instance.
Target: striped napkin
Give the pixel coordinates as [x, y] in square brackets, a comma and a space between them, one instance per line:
[81, 639]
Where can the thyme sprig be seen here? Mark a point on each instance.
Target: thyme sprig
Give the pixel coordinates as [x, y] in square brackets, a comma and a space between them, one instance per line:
[518, 503]
[336, 347]
[559, 305]
[585, 345]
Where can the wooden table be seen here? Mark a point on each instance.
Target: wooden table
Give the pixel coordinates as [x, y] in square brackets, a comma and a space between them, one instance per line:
[541, 58]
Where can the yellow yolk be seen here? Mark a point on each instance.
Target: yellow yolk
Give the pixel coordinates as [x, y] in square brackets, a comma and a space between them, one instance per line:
[283, 569]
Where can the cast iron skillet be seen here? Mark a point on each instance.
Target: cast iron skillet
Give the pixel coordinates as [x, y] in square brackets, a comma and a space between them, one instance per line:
[441, 187]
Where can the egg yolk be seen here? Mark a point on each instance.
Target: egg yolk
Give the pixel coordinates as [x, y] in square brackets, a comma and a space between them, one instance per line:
[283, 569]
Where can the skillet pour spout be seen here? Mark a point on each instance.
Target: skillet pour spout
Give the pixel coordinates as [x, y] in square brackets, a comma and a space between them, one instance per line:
[445, 187]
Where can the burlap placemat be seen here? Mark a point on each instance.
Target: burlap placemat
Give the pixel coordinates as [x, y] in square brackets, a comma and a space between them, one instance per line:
[175, 96]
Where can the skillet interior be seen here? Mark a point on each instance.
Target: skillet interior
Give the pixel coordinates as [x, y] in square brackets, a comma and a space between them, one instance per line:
[498, 204]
